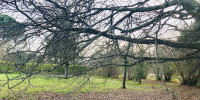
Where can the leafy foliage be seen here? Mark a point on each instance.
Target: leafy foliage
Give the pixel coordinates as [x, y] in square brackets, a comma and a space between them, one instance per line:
[140, 71]
[9, 28]
[109, 71]
[169, 69]
[190, 35]
[9, 67]
[189, 69]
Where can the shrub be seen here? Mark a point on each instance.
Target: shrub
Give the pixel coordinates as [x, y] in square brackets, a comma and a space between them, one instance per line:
[5, 67]
[140, 71]
[109, 71]
[34, 67]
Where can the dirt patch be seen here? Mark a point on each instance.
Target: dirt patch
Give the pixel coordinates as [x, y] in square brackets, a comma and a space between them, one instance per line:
[121, 94]
[111, 95]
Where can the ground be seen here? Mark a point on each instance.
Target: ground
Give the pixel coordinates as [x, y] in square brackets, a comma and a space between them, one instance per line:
[182, 92]
[99, 88]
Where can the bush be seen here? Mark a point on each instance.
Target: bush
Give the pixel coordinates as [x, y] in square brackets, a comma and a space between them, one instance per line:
[34, 67]
[109, 71]
[5, 67]
[73, 70]
[140, 71]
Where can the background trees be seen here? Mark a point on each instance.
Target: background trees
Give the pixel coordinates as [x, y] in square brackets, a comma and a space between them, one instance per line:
[10, 29]
[62, 50]
[189, 69]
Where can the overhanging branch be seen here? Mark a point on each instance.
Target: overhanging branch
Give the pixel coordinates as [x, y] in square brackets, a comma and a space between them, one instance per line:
[195, 45]
[165, 59]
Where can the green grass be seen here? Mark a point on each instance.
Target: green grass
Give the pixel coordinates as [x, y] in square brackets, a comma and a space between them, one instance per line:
[39, 84]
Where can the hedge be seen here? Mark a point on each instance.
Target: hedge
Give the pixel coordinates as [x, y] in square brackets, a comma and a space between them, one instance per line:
[9, 67]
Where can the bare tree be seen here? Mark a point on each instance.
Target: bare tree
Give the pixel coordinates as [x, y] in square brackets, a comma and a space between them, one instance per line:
[93, 20]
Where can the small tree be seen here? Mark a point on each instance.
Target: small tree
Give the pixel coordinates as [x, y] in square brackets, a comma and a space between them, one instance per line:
[140, 72]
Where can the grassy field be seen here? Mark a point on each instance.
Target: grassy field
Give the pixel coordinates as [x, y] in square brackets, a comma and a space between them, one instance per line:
[51, 87]
[40, 83]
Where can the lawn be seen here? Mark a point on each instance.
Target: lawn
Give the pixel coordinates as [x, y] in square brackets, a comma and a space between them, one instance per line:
[43, 84]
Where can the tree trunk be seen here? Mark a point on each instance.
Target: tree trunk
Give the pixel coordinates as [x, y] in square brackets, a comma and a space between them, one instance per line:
[140, 80]
[125, 73]
[140, 73]
[66, 70]
[158, 73]
[124, 79]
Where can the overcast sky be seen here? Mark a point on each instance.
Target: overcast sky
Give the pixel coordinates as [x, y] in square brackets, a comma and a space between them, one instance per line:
[169, 35]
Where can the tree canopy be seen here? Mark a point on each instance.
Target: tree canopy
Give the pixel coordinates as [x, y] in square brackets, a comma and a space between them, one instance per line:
[10, 28]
